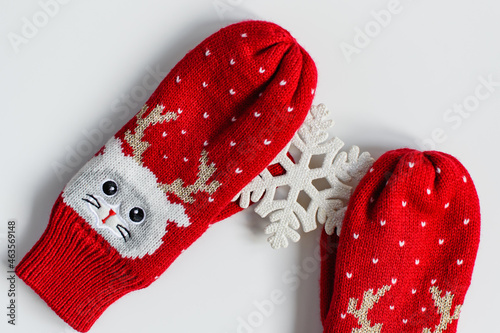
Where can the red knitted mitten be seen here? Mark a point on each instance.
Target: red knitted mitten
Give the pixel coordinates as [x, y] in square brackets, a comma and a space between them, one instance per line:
[407, 247]
[215, 122]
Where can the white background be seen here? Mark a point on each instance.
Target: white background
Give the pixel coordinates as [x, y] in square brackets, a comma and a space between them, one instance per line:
[69, 75]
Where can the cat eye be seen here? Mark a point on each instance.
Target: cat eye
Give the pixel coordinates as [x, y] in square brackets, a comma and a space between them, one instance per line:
[109, 188]
[136, 215]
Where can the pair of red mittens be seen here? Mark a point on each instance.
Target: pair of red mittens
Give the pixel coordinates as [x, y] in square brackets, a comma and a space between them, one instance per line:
[407, 248]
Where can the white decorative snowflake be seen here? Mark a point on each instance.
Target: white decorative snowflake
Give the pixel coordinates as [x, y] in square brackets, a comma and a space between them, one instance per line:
[326, 186]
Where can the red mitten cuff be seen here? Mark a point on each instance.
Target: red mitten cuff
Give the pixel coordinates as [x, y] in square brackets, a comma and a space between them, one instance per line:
[74, 271]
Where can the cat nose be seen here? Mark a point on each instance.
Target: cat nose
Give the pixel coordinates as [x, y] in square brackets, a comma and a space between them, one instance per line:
[110, 214]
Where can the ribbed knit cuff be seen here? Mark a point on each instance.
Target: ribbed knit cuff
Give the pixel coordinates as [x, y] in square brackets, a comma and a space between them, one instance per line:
[74, 271]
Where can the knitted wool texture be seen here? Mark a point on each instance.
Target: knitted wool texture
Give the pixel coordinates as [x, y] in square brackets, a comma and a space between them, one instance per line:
[214, 123]
[407, 248]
